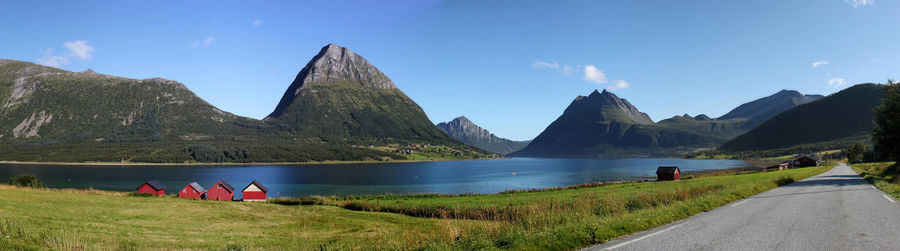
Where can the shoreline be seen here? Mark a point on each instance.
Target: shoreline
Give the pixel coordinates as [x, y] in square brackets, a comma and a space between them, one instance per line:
[330, 162]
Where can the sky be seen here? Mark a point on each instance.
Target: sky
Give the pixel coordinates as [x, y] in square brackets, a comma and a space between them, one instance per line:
[511, 67]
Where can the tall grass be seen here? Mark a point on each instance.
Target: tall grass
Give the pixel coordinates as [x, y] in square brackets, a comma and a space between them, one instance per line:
[884, 175]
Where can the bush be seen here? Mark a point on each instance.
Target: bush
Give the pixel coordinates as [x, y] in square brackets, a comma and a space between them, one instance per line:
[784, 181]
[136, 194]
[26, 180]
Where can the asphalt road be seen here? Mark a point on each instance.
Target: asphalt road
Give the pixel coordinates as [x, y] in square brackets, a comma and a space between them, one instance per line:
[836, 210]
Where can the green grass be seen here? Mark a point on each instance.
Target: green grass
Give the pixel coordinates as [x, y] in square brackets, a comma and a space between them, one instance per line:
[50, 219]
[883, 175]
[556, 219]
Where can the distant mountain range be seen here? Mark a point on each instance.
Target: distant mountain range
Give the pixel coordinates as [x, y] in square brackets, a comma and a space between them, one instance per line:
[761, 110]
[840, 118]
[604, 125]
[464, 130]
[337, 101]
[340, 102]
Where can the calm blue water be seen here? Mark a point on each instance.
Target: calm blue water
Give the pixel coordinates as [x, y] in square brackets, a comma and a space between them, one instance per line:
[451, 177]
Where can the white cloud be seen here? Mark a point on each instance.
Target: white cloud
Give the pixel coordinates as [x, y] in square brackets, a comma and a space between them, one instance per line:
[205, 42]
[617, 84]
[564, 68]
[819, 63]
[79, 48]
[541, 64]
[591, 73]
[257, 23]
[836, 82]
[50, 60]
[859, 3]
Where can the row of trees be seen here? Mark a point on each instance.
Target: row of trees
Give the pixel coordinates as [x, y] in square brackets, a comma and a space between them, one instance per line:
[886, 134]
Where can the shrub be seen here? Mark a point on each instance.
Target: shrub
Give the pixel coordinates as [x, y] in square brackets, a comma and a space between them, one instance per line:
[26, 180]
[784, 181]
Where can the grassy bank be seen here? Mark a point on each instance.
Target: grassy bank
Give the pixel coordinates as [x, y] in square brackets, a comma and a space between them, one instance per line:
[558, 219]
[884, 175]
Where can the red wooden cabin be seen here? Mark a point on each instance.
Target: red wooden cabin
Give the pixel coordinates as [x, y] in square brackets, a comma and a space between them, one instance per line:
[220, 191]
[152, 187]
[668, 173]
[192, 191]
[255, 192]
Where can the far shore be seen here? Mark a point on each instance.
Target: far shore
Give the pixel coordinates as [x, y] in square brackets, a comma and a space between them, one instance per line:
[335, 162]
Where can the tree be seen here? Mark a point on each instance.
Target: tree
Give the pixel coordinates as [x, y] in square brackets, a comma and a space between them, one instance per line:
[886, 134]
[26, 180]
[855, 152]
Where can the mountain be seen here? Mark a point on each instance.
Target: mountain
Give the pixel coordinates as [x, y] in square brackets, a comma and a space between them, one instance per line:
[761, 110]
[339, 97]
[844, 116]
[604, 125]
[469, 133]
[337, 102]
[49, 114]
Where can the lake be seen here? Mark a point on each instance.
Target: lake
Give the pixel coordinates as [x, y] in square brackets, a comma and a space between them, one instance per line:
[448, 177]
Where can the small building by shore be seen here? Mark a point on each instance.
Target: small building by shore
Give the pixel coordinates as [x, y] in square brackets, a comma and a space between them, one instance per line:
[668, 173]
[220, 191]
[153, 187]
[255, 192]
[192, 191]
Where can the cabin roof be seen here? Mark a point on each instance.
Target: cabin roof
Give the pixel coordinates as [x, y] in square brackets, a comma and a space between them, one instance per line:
[197, 187]
[260, 186]
[226, 185]
[155, 184]
[667, 169]
[808, 157]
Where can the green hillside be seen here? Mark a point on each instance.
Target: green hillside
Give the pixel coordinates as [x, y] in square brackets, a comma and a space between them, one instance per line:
[53, 115]
[50, 114]
[845, 116]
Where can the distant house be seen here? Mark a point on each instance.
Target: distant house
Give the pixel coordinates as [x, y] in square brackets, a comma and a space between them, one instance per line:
[220, 191]
[255, 192]
[193, 191]
[668, 173]
[152, 187]
[806, 161]
[784, 165]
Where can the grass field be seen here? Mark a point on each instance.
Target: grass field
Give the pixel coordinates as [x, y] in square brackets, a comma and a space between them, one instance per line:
[557, 219]
[883, 175]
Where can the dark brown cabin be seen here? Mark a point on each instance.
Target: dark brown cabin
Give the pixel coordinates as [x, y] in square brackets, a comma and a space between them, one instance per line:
[668, 173]
[806, 161]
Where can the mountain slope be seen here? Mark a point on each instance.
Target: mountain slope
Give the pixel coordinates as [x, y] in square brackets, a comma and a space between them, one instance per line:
[603, 125]
[843, 116]
[462, 129]
[339, 97]
[48, 114]
[761, 110]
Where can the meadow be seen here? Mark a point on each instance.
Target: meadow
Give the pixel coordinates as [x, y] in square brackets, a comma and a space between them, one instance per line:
[556, 219]
[883, 175]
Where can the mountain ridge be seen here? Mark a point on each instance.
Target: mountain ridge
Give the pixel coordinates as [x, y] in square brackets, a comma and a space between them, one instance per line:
[466, 131]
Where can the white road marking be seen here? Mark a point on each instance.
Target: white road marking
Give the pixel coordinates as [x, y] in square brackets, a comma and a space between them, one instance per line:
[742, 202]
[873, 187]
[641, 238]
[888, 198]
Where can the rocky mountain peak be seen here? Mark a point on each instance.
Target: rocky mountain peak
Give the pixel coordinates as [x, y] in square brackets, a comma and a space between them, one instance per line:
[466, 131]
[606, 105]
[338, 63]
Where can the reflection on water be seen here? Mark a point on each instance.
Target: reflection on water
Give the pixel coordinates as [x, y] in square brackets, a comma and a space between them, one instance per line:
[451, 177]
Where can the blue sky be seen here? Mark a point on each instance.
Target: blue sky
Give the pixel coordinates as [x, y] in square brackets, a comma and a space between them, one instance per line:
[510, 66]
